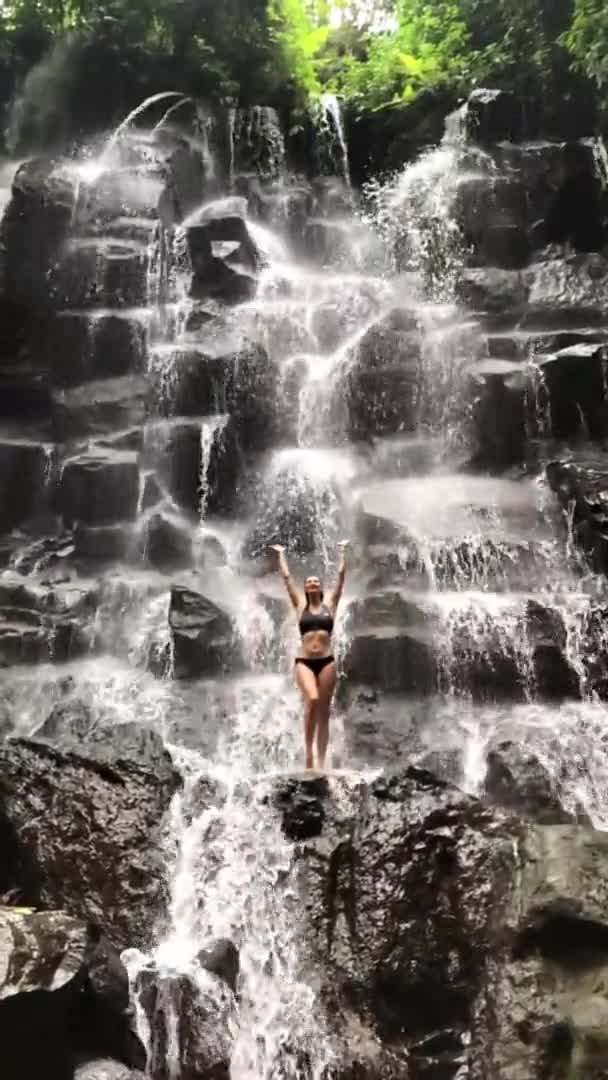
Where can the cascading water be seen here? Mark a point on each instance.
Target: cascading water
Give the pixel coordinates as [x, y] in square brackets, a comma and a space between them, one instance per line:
[323, 393]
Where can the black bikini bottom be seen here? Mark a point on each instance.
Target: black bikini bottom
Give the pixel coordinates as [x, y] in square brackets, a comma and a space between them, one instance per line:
[315, 663]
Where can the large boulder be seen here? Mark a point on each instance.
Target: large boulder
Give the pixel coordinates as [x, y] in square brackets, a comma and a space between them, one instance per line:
[99, 487]
[190, 1020]
[41, 623]
[464, 941]
[64, 997]
[34, 228]
[223, 254]
[203, 635]
[391, 644]
[83, 829]
[517, 780]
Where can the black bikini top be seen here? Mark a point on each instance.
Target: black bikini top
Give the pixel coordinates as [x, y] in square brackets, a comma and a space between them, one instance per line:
[318, 620]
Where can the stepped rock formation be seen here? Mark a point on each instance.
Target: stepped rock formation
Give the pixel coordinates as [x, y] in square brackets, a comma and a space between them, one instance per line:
[205, 353]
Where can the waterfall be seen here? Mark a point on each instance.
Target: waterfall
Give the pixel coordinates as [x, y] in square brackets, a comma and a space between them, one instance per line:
[238, 376]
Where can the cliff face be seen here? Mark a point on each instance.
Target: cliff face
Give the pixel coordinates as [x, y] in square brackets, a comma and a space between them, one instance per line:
[204, 353]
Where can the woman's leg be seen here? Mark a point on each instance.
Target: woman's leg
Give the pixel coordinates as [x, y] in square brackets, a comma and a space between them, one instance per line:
[327, 684]
[307, 682]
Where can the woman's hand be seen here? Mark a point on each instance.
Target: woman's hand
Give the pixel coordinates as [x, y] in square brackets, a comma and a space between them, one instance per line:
[279, 548]
[342, 545]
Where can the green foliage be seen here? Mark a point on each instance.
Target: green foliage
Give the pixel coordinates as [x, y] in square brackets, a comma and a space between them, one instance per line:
[300, 30]
[587, 39]
[429, 46]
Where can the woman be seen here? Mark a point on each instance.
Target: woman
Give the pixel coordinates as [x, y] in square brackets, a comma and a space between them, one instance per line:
[315, 664]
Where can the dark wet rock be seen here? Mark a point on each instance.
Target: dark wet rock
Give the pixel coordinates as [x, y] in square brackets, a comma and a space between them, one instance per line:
[34, 228]
[300, 804]
[104, 543]
[327, 241]
[68, 722]
[104, 273]
[574, 212]
[582, 487]
[228, 374]
[485, 204]
[41, 623]
[166, 544]
[571, 386]
[222, 959]
[64, 997]
[494, 293]
[106, 813]
[223, 254]
[96, 408]
[554, 676]
[498, 409]
[381, 380]
[180, 449]
[492, 116]
[80, 347]
[456, 936]
[25, 393]
[391, 645]
[258, 141]
[24, 470]
[517, 780]
[204, 1015]
[203, 634]
[99, 488]
[567, 292]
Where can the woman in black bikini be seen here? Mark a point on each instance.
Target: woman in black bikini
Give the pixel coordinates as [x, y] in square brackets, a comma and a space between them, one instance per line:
[315, 666]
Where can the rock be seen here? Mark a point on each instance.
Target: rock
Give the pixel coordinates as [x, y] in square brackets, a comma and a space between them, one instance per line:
[227, 375]
[391, 645]
[104, 543]
[106, 1069]
[458, 937]
[554, 676]
[222, 960]
[81, 347]
[196, 461]
[25, 468]
[25, 393]
[34, 228]
[201, 1040]
[485, 204]
[575, 211]
[223, 254]
[99, 487]
[258, 141]
[64, 997]
[203, 635]
[39, 624]
[166, 544]
[582, 488]
[101, 273]
[497, 296]
[492, 116]
[572, 386]
[381, 380]
[95, 408]
[498, 389]
[518, 781]
[106, 813]
[566, 292]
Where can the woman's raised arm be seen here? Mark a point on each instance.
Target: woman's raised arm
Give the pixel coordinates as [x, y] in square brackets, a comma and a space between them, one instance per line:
[292, 591]
[334, 597]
